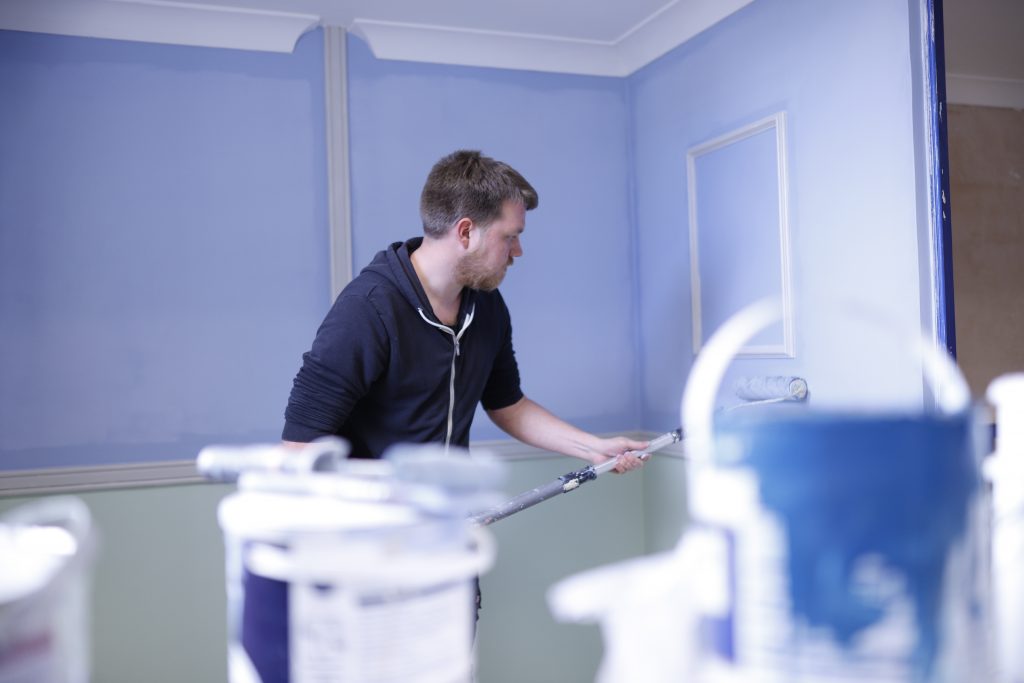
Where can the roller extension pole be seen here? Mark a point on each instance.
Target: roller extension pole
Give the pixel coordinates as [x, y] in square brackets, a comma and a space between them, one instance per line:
[566, 482]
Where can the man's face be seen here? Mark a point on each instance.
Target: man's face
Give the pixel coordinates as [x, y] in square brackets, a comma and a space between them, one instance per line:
[492, 249]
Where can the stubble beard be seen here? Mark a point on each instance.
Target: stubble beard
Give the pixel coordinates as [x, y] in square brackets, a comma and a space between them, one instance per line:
[472, 273]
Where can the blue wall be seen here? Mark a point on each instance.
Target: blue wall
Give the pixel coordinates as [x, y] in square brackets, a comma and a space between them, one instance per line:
[572, 294]
[842, 74]
[163, 236]
[163, 245]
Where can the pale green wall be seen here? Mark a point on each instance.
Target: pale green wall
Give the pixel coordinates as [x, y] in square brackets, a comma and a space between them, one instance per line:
[158, 585]
[158, 595]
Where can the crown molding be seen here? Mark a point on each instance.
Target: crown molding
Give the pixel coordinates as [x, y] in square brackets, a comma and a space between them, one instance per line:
[157, 21]
[985, 92]
[664, 30]
[496, 49]
[183, 23]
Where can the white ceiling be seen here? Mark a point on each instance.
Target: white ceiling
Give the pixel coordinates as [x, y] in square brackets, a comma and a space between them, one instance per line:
[984, 38]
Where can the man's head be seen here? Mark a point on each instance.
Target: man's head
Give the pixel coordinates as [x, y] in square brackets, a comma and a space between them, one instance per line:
[467, 184]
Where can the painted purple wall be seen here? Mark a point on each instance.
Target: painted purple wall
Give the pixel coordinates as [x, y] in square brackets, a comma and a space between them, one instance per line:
[571, 295]
[163, 245]
[842, 74]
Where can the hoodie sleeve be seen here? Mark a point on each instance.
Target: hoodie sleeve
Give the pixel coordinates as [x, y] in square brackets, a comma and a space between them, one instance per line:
[349, 353]
[502, 389]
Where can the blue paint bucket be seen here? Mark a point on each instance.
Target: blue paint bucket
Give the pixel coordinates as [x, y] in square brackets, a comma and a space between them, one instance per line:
[850, 546]
[847, 545]
[336, 578]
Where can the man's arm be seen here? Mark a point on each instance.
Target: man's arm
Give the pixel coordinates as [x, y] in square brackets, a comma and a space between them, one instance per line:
[349, 353]
[532, 424]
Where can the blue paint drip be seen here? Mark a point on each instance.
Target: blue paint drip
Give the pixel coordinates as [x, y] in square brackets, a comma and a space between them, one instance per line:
[846, 487]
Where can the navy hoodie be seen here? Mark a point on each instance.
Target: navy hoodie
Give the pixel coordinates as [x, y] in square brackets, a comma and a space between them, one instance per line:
[380, 370]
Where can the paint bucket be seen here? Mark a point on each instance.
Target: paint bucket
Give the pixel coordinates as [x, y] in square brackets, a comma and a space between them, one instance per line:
[846, 548]
[351, 577]
[1005, 470]
[45, 558]
[848, 543]
[826, 546]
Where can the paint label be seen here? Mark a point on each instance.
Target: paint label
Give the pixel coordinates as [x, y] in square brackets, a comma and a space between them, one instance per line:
[387, 636]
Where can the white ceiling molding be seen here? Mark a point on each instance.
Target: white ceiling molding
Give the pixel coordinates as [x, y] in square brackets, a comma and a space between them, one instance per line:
[210, 25]
[155, 21]
[472, 47]
[667, 28]
[985, 92]
[670, 27]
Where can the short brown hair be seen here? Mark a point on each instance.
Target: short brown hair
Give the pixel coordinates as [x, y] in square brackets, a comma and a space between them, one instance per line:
[467, 184]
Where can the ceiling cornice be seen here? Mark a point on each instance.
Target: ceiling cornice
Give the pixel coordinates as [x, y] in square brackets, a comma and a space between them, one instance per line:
[156, 21]
[197, 24]
[664, 30]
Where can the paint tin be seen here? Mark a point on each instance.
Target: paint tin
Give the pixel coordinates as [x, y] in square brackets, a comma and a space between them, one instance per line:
[1005, 471]
[334, 578]
[847, 545]
[46, 548]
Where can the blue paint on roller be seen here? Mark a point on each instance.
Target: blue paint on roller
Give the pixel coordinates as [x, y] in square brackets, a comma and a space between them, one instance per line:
[849, 487]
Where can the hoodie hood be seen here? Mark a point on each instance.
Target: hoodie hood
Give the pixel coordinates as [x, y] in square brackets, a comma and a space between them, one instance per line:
[395, 265]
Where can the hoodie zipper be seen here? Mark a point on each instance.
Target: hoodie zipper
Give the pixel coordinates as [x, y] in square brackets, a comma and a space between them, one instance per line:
[455, 354]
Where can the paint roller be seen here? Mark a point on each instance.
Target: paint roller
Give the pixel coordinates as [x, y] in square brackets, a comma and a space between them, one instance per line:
[771, 389]
[754, 390]
[567, 482]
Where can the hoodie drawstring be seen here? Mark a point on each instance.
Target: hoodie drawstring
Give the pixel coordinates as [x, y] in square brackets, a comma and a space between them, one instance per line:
[456, 336]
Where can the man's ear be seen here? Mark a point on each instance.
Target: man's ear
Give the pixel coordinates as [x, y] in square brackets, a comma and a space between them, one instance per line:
[463, 228]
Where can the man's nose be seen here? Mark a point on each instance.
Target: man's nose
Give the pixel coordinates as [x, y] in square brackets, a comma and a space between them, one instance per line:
[517, 248]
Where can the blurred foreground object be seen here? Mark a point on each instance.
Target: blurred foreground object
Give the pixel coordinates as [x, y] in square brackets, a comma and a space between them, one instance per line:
[826, 545]
[1006, 472]
[362, 572]
[46, 553]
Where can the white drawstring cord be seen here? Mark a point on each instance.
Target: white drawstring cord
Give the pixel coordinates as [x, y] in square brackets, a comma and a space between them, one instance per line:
[451, 387]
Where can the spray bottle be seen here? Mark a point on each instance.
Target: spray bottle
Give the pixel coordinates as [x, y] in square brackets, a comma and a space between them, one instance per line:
[1006, 472]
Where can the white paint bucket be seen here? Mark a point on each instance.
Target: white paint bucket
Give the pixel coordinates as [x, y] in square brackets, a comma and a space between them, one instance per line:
[354, 584]
[45, 558]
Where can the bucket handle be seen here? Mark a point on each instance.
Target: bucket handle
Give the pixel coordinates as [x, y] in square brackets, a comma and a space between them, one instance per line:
[952, 396]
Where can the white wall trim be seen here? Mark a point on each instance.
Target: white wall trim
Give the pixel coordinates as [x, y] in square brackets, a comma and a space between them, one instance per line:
[496, 49]
[158, 21]
[184, 23]
[985, 92]
[338, 193]
[669, 28]
[777, 122]
[176, 472]
[98, 478]
[662, 31]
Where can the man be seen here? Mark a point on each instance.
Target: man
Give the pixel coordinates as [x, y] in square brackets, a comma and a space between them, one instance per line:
[422, 334]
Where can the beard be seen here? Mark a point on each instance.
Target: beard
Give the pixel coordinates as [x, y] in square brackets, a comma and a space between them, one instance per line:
[472, 272]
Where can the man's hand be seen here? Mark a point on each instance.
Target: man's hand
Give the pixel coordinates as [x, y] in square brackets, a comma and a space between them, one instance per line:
[630, 453]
